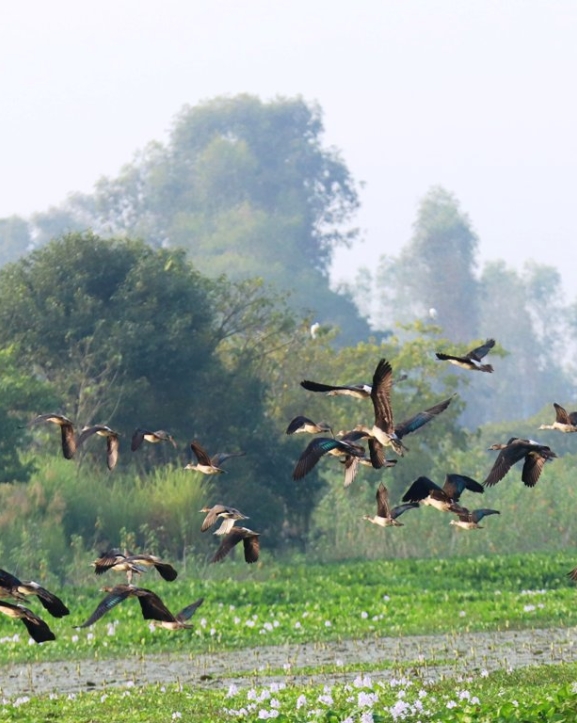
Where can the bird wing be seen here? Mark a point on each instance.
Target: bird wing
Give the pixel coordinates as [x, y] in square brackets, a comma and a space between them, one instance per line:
[200, 453]
[479, 352]
[187, 612]
[137, 438]
[421, 488]
[353, 390]
[477, 515]
[48, 600]
[382, 496]
[88, 432]
[381, 396]
[38, 629]
[152, 606]
[251, 548]
[211, 517]
[561, 414]
[115, 597]
[351, 468]
[456, 483]
[221, 457]
[319, 447]
[166, 571]
[68, 438]
[534, 462]
[112, 445]
[421, 418]
[399, 509]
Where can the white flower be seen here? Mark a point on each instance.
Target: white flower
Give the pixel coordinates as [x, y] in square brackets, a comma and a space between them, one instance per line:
[367, 717]
[328, 623]
[176, 715]
[325, 699]
[528, 608]
[364, 615]
[366, 700]
[301, 700]
[451, 704]
[298, 625]
[232, 690]
[20, 701]
[464, 695]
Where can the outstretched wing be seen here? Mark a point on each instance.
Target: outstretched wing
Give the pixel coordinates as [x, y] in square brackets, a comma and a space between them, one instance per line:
[421, 418]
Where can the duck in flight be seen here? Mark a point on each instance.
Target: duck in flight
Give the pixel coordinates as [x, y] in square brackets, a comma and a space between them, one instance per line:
[37, 628]
[533, 454]
[445, 498]
[384, 431]
[564, 421]
[115, 560]
[66, 430]
[305, 425]
[112, 441]
[472, 359]
[151, 606]
[386, 515]
[209, 465]
[145, 435]
[469, 520]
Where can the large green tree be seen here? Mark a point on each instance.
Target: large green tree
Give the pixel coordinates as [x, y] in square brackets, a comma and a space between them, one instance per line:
[248, 188]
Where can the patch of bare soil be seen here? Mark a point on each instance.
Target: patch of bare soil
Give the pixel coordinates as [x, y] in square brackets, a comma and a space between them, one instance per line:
[427, 657]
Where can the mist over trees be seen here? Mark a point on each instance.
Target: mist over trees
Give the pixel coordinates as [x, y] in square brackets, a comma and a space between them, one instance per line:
[179, 296]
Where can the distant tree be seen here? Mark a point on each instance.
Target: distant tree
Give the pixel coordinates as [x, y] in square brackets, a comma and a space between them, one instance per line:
[15, 238]
[435, 270]
[21, 393]
[248, 189]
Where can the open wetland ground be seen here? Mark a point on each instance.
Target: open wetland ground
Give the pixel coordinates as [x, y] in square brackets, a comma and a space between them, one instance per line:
[483, 639]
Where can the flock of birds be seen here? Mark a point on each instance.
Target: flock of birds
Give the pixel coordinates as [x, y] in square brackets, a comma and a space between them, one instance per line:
[386, 433]
[151, 605]
[348, 446]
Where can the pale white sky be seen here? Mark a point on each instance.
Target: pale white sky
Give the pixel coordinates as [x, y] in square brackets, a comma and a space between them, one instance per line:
[475, 95]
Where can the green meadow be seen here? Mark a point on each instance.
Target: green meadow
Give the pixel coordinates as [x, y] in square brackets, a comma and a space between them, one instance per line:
[275, 604]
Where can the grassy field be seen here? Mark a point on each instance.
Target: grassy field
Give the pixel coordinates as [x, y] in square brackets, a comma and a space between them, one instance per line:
[276, 604]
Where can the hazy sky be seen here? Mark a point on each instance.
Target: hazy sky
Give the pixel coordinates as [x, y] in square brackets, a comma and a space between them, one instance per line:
[475, 95]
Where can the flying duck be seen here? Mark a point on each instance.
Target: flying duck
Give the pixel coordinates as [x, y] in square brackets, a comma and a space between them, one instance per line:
[321, 446]
[151, 605]
[384, 431]
[386, 515]
[470, 520]
[443, 498]
[66, 431]
[359, 391]
[209, 465]
[145, 435]
[19, 590]
[533, 453]
[116, 560]
[112, 441]
[250, 541]
[564, 421]
[38, 629]
[472, 359]
[304, 424]
[228, 515]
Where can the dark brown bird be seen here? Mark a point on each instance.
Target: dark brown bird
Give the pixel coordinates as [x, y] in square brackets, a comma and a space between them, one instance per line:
[250, 541]
[305, 425]
[66, 430]
[472, 359]
[112, 441]
[151, 605]
[145, 435]
[360, 391]
[469, 520]
[209, 465]
[10, 585]
[384, 431]
[386, 515]
[533, 453]
[115, 560]
[38, 629]
[443, 498]
[564, 421]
